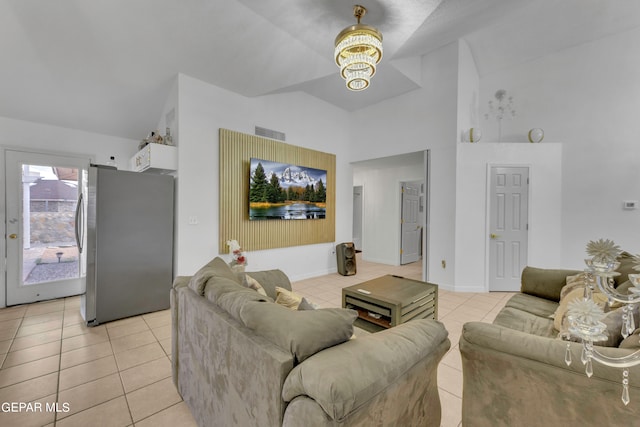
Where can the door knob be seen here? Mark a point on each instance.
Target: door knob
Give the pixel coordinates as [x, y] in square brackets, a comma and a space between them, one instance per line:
[13, 236]
[494, 236]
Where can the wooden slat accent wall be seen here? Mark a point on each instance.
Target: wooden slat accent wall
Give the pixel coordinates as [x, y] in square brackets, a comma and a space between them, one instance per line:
[236, 151]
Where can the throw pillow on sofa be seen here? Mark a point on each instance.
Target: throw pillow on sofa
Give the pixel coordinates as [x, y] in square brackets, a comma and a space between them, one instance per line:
[573, 290]
[303, 333]
[287, 298]
[305, 304]
[252, 283]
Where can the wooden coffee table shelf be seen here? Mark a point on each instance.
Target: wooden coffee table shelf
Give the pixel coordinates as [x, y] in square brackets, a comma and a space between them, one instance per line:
[391, 300]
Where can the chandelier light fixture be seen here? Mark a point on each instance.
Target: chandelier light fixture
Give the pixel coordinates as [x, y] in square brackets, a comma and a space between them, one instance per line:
[358, 51]
[585, 316]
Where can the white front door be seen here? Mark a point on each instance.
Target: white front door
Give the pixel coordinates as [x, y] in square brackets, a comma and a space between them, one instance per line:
[411, 228]
[508, 229]
[44, 211]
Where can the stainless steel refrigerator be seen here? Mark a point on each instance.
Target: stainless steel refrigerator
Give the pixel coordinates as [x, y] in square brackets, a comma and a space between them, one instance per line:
[128, 220]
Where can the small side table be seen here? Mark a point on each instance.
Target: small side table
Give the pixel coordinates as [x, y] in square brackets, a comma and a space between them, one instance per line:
[391, 300]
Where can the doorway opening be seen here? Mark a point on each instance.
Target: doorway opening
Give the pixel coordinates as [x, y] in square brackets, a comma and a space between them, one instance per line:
[377, 209]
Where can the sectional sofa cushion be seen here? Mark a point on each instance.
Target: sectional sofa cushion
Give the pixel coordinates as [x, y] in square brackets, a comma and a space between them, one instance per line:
[269, 279]
[230, 296]
[366, 367]
[545, 283]
[523, 321]
[534, 305]
[302, 333]
[217, 267]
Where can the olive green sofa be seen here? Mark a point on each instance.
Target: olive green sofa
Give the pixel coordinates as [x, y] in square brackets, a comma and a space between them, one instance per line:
[514, 370]
[240, 359]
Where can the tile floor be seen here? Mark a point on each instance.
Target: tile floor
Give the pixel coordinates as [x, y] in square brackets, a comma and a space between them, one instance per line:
[119, 373]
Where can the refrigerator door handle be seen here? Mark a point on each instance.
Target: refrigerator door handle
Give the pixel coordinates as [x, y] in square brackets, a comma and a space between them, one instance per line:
[79, 223]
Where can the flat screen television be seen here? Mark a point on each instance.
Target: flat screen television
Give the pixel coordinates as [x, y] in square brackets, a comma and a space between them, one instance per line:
[282, 191]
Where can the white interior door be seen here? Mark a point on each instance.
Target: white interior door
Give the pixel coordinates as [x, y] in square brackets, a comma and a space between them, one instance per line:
[508, 229]
[45, 230]
[411, 227]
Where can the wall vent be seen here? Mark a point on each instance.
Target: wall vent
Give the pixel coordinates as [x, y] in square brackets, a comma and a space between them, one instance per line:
[268, 133]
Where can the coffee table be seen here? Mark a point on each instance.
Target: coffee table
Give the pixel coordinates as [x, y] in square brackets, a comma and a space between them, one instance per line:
[390, 300]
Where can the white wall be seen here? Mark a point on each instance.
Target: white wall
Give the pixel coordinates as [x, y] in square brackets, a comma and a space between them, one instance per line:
[545, 174]
[417, 121]
[306, 121]
[588, 97]
[381, 235]
[29, 136]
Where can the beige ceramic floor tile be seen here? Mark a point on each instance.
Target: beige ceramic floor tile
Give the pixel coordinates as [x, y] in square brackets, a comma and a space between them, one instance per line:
[127, 329]
[27, 371]
[87, 372]
[450, 379]
[11, 313]
[129, 342]
[5, 346]
[72, 302]
[145, 374]
[451, 407]
[153, 398]
[30, 390]
[34, 418]
[72, 318]
[166, 345]
[452, 358]
[32, 353]
[126, 321]
[85, 354]
[90, 394]
[95, 336]
[44, 308]
[8, 329]
[139, 355]
[176, 415]
[113, 413]
[36, 339]
[159, 318]
[162, 332]
[69, 331]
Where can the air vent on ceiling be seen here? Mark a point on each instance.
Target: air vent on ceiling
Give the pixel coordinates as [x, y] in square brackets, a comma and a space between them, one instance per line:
[268, 133]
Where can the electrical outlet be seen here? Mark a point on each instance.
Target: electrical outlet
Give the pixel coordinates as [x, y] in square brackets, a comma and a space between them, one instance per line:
[193, 220]
[444, 264]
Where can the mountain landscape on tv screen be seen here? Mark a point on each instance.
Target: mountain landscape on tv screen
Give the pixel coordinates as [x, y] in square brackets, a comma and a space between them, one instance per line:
[285, 191]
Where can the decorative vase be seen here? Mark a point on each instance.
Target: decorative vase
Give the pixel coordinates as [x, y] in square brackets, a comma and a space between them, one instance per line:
[473, 135]
[536, 135]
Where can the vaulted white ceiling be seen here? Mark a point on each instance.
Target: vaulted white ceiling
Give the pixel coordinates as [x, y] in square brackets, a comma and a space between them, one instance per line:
[107, 66]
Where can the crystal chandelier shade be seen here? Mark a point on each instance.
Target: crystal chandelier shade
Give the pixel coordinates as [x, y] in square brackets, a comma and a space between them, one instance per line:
[585, 315]
[358, 51]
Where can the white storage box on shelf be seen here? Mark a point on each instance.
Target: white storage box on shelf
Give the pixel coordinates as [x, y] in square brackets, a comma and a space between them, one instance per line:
[155, 158]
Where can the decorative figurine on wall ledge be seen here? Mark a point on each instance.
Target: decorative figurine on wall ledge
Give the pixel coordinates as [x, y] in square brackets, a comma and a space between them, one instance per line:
[473, 135]
[536, 135]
